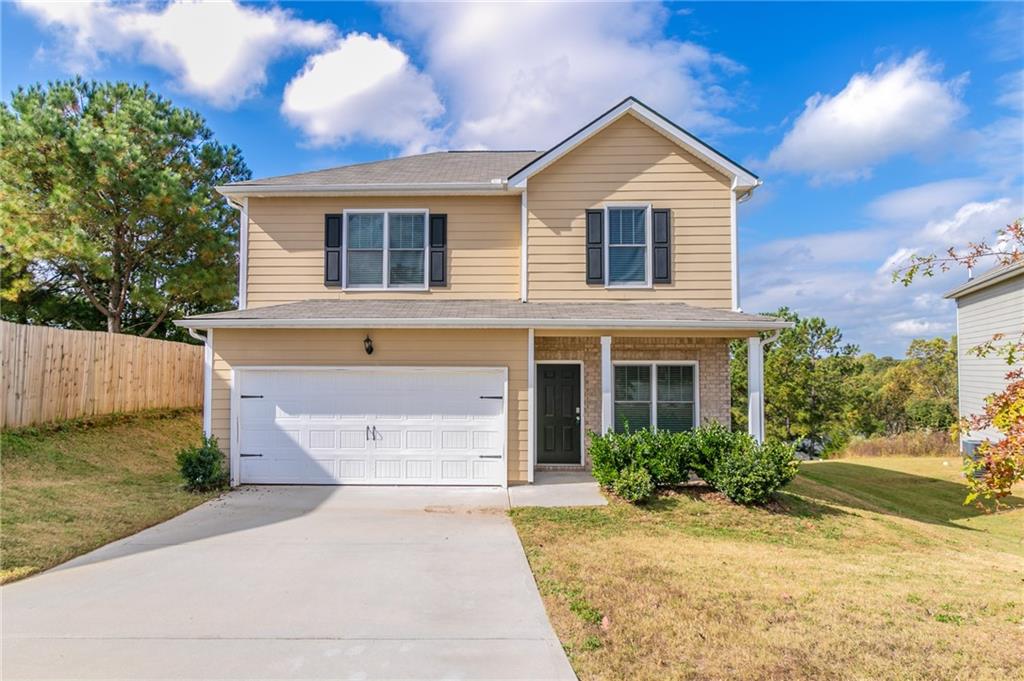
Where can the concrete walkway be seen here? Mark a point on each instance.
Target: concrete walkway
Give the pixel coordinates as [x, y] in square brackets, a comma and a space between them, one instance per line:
[558, 489]
[295, 582]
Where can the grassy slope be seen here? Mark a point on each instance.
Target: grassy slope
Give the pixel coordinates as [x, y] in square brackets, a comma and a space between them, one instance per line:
[68, 490]
[865, 569]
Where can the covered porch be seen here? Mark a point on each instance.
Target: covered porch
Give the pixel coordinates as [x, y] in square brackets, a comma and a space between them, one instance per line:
[586, 382]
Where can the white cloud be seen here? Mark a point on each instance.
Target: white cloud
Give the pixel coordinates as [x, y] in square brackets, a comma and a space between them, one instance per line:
[522, 75]
[840, 276]
[926, 201]
[897, 108]
[218, 51]
[364, 87]
[912, 328]
[972, 222]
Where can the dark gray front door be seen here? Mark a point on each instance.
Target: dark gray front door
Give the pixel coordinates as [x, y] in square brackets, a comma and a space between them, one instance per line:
[558, 413]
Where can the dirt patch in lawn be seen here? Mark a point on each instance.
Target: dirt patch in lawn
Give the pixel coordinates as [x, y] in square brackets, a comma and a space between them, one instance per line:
[71, 488]
[837, 579]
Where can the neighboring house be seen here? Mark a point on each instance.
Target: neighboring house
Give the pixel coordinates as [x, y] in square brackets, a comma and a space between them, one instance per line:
[469, 317]
[987, 306]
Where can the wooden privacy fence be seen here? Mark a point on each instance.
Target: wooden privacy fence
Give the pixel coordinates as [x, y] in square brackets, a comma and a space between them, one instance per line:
[55, 374]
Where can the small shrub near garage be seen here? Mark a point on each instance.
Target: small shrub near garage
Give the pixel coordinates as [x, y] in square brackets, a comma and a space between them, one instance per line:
[202, 467]
[749, 473]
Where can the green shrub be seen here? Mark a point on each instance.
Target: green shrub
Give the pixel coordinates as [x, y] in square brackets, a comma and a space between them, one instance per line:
[202, 466]
[749, 473]
[706, 445]
[634, 484]
[662, 454]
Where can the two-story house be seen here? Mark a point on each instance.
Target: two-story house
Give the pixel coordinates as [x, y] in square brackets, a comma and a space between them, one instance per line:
[469, 317]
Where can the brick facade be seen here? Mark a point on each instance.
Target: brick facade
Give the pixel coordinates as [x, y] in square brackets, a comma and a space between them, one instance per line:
[711, 355]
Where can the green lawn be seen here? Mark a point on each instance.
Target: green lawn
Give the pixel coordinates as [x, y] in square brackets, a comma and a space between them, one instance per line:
[70, 489]
[863, 569]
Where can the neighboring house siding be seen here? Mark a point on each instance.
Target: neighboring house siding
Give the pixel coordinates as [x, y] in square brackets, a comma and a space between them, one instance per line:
[392, 347]
[630, 162]
[286, 247]
[980, 315]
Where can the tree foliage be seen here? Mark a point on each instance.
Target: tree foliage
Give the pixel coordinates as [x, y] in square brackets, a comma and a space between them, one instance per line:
[807, 373]
[820, 390]
[998, 464]
[109, 212]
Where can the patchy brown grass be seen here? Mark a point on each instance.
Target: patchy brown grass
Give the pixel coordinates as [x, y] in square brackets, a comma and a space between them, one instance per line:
[861, 570]
[70, 488]
[914, 443]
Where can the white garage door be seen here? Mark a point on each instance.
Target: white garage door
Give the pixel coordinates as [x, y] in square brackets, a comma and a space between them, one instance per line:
[371, 426]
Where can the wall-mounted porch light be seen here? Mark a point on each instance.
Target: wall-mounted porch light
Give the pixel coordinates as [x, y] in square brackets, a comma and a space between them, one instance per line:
[368, 344]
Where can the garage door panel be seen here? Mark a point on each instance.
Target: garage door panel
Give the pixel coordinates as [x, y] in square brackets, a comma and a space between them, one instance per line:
[366, 426]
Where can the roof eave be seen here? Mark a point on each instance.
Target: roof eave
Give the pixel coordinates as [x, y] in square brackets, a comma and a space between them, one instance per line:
[481, 323]
[985, 280]
[406, 189]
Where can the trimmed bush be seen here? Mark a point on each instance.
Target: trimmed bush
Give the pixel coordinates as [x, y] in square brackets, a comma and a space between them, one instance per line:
[202, 466]
[634, 484]
[661, 453]
[749, 473]
[706, 445]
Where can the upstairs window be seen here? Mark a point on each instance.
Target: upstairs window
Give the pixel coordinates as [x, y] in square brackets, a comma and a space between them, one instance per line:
[628, 245]
[386, 249]
[662, 396]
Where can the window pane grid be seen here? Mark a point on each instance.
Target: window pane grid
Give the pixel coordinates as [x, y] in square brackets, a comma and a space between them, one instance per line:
[627, 245]
[400, 264]
[668, 404]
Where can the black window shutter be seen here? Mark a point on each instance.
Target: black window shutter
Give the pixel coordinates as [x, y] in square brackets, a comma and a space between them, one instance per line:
[438, 250]
[332, 250]
[662, 237]
[595, 247]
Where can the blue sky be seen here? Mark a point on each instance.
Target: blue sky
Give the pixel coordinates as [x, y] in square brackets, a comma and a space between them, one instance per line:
[880, 129]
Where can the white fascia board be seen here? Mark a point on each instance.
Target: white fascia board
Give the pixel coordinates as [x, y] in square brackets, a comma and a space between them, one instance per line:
[420, 188]
[479, 323]
[744, 178]
[986, 280]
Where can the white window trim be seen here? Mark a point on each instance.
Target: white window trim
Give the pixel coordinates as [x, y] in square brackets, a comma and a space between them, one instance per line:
[654, 387]
[386, 249]
[648, 251]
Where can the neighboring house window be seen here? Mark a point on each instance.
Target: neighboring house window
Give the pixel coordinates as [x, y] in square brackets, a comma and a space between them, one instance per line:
[628, 245]
[655, 396]
[385, 249]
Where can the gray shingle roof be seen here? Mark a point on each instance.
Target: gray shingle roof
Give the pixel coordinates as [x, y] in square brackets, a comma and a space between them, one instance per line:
[436, 167]
[484, 313]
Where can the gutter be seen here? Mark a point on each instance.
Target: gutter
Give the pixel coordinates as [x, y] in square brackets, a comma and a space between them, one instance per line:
[442, 188]
[479, 323]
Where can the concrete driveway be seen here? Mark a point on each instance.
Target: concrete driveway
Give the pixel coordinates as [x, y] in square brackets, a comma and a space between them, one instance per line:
[295, 582]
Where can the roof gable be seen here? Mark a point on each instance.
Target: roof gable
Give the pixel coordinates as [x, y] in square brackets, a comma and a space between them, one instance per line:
[742, 177]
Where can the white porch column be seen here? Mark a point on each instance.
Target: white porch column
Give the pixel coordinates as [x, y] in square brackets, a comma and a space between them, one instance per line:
[607, 380]
[531, 406]
[755, 388]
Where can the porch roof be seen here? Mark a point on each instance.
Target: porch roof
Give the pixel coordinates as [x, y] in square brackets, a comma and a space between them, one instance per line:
[484, 314]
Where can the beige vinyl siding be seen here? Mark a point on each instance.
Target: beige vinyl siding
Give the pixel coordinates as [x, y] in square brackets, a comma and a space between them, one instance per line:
[234, 348]
[286, 247]
[996, 309]
[630, 162]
